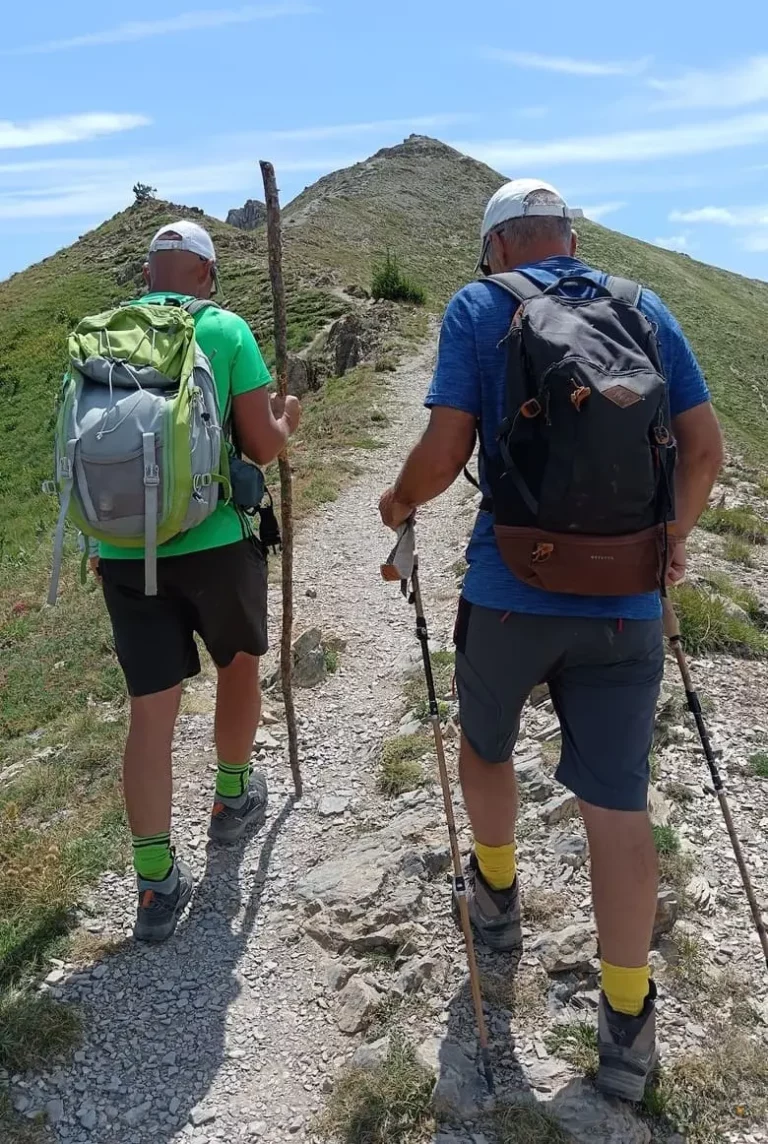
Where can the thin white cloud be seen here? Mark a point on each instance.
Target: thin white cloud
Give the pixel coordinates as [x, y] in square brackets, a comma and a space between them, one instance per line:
[677, 242]
[66, 129]
[624, 147]
[148, 29]
[342, 130]
[705, 214]
[567, 65]
[97, 188]
[735, 86]
[601, 210]
[724, 216]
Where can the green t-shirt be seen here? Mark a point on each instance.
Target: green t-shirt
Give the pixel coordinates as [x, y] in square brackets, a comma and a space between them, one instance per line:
[238, 368]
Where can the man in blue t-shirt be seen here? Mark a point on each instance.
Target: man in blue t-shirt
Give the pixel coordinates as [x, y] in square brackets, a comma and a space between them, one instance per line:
[602, 657]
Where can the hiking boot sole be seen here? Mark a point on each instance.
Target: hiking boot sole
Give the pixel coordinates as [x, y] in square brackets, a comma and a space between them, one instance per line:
[623, 1082]
[232, 830]
[159, 933]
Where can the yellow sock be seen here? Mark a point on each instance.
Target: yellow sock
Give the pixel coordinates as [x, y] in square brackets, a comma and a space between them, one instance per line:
[497, 864]
[626, 989]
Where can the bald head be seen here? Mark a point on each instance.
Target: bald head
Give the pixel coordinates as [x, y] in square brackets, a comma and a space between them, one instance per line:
[180, 272]
[182, 260]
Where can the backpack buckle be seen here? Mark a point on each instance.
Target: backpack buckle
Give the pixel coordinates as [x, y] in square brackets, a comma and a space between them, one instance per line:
[151, 475]
[49, 488]
[202, 481]
[530, 409]
[65, 468]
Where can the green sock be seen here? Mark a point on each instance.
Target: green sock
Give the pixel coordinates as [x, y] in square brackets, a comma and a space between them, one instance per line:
[152, 857]
[232, 779]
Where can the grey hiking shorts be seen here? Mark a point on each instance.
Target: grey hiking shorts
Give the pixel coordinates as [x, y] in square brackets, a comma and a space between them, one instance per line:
[604, 677]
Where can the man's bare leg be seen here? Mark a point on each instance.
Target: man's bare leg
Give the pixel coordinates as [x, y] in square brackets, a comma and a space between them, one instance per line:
[240, 797]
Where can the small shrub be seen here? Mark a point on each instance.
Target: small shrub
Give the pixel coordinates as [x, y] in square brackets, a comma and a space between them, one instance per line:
[758, 764]
[142, 192]
[708, 626]
[741, 522]
[385, 364]
[575, 1042]
[739, 552]
[331, 657]
[390, 283]
[383, 1105]
[401, 768]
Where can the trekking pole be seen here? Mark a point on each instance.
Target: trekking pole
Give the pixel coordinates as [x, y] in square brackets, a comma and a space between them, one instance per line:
[275, 246]
[403, 565]
[672, 632]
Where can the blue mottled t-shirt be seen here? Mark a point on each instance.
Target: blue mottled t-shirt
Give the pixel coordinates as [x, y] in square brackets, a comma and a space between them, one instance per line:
[471, 376]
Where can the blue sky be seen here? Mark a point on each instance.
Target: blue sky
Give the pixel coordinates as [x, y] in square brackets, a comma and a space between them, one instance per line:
[652, 116]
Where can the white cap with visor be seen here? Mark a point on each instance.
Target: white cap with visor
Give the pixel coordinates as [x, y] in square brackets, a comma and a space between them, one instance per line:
[512, 201]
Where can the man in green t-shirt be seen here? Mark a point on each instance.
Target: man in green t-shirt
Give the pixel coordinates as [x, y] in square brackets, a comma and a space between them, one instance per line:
[212, 581]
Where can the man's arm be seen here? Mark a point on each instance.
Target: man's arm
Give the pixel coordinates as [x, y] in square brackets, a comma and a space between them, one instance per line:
[700, 458]
[454, 403]
[433, 465]
[263, 422]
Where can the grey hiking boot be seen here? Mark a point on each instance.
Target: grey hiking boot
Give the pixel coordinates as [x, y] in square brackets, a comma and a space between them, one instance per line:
[161, 904]
[495, 914]
[627, 1045]
[232, 817]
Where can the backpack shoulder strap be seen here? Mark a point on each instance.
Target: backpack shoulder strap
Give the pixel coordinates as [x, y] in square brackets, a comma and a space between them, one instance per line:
[624, 290]
[197, 305]
[519, 285]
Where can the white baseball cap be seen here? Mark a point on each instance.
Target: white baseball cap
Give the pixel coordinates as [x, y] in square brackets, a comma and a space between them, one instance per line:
[511, 201]
[184, 235]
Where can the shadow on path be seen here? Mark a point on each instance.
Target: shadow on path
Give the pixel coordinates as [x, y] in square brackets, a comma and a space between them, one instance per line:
[156, 1021]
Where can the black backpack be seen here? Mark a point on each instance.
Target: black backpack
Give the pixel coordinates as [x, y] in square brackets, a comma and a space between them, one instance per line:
[582, 489]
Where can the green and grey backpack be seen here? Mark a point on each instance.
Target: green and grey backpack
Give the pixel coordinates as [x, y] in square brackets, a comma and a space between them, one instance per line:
[140, 453]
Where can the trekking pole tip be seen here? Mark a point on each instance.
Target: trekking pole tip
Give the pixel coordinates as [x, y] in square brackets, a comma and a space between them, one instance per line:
[488, 1071]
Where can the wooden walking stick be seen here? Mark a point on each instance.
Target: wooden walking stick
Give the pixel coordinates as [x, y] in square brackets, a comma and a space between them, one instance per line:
[275, 245]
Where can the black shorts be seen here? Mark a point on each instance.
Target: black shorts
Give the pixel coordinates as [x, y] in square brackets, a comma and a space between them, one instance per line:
[604, 678]
[220, 594]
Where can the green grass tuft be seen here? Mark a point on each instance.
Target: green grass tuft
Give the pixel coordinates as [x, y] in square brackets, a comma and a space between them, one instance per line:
[722, 1088]
[384, 1105]
[758, 764]
[34, 1029]
[527, 1123]
[741, 522]
[709, 626]
[401, 769]
[667, 840]
[575, 1042]
[739, 551]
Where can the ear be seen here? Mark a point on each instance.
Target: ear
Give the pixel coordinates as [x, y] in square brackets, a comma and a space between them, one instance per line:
[574, 243]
